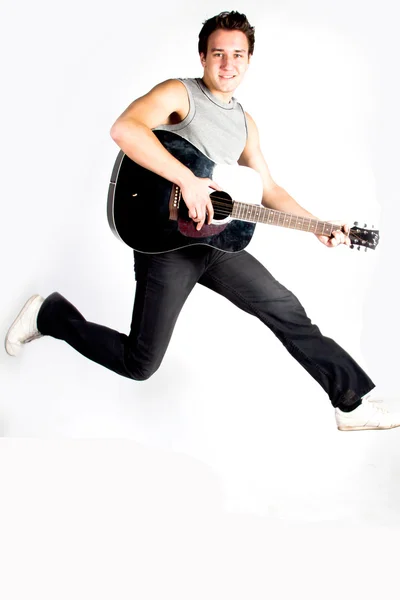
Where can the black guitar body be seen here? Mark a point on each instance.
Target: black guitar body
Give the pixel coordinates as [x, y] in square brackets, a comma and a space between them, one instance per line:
[139, 206]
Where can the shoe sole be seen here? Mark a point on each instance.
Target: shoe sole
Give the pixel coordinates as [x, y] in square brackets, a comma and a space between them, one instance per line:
[344, 428]
[8, 346]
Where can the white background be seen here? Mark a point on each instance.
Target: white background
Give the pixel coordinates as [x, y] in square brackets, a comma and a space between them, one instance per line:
[224, 475]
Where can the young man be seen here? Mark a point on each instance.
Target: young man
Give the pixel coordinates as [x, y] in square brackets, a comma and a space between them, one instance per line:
[205, 112]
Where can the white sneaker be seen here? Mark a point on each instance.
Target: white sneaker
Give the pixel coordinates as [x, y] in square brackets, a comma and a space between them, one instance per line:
[371, 414]
[24, 329]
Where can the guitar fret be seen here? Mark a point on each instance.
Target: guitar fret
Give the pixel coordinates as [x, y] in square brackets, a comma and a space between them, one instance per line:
[264, 214]
[257, 213]
[271, 216]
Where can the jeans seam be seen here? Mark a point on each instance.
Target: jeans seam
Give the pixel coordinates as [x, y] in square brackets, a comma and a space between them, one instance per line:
[128, 347]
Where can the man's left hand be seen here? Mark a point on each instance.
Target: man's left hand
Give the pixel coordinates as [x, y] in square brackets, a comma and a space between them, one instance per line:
[339, 236]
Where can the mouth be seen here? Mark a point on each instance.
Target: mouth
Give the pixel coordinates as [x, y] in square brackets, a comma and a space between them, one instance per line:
[227, 76]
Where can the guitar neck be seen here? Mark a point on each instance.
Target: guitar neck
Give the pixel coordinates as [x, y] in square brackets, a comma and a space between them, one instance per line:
[255, 213]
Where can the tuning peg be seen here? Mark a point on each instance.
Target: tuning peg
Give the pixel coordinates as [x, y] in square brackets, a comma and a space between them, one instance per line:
[373, 226]
[366, 249]
[359, 248]
[356, 223]
[365, 225]
[352, 246]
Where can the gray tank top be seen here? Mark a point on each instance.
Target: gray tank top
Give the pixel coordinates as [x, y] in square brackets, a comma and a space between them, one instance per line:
[217, 129]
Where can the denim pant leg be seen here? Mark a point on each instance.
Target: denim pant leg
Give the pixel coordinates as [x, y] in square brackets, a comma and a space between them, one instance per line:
[247, 283]
[163, 283]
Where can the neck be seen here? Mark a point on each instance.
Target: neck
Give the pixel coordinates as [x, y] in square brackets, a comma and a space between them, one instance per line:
[225, 97]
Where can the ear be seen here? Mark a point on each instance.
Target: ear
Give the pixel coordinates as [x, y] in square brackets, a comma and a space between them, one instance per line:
[202, 58]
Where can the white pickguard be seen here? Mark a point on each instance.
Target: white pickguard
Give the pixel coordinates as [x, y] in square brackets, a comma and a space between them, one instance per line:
[243, 184]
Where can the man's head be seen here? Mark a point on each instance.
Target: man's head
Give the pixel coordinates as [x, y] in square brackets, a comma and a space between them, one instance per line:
[230, 21]
[226, 43]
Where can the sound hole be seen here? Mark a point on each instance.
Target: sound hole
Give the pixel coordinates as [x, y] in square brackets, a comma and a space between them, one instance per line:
[222, 204]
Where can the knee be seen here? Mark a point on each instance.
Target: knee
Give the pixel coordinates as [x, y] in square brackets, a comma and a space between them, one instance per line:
[140, 365]
[142, 375]
[142, 372]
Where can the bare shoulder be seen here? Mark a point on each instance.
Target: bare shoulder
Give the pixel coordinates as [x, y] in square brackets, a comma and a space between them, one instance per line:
[252, 155]
[249, 117]
[171, 89]
[166, 103]
[252, 128]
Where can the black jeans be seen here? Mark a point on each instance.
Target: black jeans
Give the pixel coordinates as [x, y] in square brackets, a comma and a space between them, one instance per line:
[163, 283]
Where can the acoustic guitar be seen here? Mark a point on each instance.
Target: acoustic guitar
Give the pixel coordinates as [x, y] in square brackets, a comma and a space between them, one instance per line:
[148, 213]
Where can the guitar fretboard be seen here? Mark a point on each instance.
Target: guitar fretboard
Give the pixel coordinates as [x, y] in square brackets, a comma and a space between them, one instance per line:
[255, 213]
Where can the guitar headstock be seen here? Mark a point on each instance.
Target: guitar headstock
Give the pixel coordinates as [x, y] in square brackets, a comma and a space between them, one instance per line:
[363, 238]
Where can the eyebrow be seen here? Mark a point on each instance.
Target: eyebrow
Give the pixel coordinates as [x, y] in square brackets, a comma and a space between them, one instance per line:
[222, 50]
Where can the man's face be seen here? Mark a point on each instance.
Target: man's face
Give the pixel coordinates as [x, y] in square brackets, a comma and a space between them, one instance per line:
[226, 62]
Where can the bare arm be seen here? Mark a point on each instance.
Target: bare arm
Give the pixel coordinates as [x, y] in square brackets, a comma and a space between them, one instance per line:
[132, 130]
[167, 102]
[274, 196]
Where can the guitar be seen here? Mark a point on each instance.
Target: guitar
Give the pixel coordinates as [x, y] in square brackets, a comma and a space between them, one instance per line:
[148, 213]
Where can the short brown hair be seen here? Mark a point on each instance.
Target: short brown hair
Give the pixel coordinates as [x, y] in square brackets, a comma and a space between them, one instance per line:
[226, 20]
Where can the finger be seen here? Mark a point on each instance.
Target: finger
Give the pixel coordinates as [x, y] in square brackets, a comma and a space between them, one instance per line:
[200, 225]
[214, 185]
[334, 240]
[200, 216]
[197, 212]
[192, 212]
[210, 210]
[339, 237]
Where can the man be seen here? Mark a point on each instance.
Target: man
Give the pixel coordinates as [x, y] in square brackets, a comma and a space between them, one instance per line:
[205, 112]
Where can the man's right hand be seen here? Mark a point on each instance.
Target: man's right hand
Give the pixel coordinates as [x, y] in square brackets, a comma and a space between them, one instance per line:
[196, 196]
[133, 133]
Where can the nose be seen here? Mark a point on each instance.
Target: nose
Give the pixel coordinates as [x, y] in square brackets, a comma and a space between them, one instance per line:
[227, 62]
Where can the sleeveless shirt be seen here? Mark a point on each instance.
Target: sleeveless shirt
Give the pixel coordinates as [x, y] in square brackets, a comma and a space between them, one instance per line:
[217, 129]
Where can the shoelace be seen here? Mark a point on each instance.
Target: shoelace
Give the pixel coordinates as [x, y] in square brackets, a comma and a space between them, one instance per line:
[383, 408]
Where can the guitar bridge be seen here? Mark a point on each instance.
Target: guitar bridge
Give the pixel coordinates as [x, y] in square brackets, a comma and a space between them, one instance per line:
[174, 202]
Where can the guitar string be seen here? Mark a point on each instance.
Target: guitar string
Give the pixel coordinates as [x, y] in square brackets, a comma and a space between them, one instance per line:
[354, 235]
[224, 210]
[227, 211]
[304, 220]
